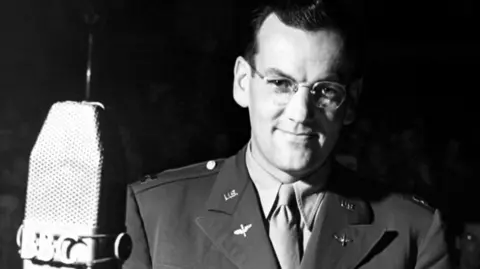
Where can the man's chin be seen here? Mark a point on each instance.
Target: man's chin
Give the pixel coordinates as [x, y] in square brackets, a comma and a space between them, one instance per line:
[298, 168]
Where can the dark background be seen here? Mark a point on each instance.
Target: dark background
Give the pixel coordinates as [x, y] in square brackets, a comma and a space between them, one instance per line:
[165, 68]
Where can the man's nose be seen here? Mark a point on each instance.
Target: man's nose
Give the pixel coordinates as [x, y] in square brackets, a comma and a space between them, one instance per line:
[300, 108]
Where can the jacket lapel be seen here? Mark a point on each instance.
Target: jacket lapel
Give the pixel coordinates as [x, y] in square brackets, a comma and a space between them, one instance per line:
[343, 234]
[233, 220]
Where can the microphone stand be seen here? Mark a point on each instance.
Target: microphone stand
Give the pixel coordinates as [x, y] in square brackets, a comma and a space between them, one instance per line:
[90, 20]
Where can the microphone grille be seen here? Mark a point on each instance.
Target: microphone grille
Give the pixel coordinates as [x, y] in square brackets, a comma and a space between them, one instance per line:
[65, 167]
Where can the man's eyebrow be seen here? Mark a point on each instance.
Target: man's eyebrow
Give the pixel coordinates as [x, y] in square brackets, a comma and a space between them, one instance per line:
[275, 71]
[278, 72]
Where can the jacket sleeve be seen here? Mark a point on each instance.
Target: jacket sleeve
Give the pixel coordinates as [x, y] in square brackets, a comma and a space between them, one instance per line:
[433, 251]
[140, 255]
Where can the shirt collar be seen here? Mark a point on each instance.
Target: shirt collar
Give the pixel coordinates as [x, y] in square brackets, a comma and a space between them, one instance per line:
[266, 184]
[307, 190]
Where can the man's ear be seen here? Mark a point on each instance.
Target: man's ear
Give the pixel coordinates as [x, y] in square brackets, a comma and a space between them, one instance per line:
[354, 90]
[241, 80]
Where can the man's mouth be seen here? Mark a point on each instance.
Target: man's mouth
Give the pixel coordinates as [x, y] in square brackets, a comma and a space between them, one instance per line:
[300, 133]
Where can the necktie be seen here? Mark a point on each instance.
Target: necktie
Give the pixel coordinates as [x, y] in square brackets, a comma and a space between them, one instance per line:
[284, 228]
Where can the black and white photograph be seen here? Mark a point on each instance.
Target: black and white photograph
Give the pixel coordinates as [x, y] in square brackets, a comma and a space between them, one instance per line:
[239, 134]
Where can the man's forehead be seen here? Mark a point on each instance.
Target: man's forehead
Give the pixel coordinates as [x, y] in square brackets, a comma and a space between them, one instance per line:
[280, 44]
[273, 25]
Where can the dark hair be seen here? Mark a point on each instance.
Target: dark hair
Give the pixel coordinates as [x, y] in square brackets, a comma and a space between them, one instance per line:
[343, 16]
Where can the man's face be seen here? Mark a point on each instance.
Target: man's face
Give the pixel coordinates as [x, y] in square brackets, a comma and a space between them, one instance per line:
[297, 137]
[470, 246]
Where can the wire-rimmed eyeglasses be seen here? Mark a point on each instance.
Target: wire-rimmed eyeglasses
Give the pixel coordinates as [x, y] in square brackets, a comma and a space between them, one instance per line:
[326, 94]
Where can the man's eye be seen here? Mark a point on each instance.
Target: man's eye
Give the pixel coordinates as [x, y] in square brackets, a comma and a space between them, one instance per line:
[281, 84]
[329, 92]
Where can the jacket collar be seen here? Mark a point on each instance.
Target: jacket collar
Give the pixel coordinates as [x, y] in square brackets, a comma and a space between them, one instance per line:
[233, 220]
[345, 233]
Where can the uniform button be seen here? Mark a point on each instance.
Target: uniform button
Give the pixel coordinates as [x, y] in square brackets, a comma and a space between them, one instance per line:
[211, 165]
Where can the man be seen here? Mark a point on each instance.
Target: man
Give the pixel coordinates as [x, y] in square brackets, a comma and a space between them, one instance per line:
[282, 202]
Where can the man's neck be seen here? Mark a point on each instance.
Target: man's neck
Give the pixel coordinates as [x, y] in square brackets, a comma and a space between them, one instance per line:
[310, 177]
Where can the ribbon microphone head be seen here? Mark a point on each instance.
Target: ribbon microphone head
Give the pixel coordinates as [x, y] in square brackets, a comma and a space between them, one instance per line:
[75, 203]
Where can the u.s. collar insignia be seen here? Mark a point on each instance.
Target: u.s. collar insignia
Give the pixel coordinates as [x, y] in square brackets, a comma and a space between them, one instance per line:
[229, 195]
[346, 204]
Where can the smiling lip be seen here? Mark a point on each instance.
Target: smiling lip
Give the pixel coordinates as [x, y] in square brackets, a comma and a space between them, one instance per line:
[309, 134]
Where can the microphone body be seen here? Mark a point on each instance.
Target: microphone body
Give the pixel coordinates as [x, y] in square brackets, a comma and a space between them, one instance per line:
[75, 202]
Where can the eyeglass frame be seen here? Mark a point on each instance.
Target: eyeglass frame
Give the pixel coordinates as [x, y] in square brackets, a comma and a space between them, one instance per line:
[297, 85]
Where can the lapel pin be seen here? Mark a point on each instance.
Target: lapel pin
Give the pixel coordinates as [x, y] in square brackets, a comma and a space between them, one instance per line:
[229, 195]
[342, 239]
[347, 205]
[243, 230]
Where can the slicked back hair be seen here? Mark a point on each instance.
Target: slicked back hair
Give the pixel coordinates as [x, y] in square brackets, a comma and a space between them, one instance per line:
[345, 17]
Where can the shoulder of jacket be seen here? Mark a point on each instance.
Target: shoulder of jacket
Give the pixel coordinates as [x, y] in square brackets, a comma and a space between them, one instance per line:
[193, 171]
[409, 204]
[421, 202]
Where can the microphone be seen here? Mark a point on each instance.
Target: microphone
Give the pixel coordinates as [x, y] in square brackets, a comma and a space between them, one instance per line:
[76, 192]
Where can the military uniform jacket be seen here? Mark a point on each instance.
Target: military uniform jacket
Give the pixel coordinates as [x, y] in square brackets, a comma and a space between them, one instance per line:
[208, 215]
